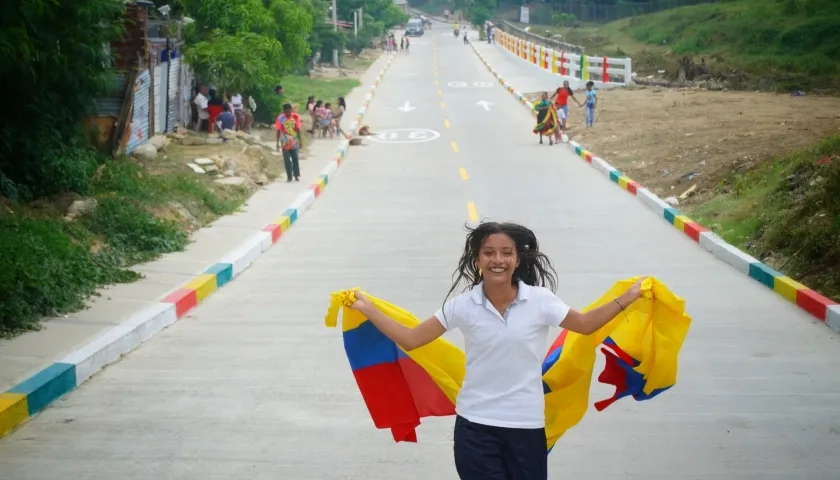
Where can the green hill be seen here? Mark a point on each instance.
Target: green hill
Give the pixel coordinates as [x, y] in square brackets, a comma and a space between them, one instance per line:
[783, 44]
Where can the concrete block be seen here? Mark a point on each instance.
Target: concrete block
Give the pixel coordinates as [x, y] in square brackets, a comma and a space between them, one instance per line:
[602, 166]
[108, 347]
[303, 201]
[832, 317]
[242, 256]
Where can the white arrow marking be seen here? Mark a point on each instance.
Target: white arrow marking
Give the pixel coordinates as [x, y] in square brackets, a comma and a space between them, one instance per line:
[484, 104]
[406, 108]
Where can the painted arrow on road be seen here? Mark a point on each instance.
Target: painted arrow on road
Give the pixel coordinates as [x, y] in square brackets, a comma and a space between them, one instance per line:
[484, 104]
[406, 108]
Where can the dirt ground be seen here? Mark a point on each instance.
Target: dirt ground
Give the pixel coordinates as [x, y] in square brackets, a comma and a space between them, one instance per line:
[671, 140]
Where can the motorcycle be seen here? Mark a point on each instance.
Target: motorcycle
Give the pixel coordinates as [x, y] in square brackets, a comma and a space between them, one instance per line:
[456, 32]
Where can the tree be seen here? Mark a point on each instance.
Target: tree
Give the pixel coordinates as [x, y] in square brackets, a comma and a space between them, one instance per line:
[294, 21]
[239, 62]
[247, 45]
[479, 11]
[53, 63]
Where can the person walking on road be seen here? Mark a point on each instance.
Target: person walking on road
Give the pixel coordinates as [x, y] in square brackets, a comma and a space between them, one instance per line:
[288, 139]
[547, 123]
[504, 314]
[342, 107]
[591, 102]
[561, 100]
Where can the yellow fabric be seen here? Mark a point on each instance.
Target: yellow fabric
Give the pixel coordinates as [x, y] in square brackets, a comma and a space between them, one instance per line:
[651, 330]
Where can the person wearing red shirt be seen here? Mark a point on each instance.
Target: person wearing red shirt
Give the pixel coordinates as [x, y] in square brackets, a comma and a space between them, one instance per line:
[561, 101]
[288, 138]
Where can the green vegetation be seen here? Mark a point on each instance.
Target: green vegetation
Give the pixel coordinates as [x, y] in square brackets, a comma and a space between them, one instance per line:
[786, 212]
[51, 55]
[51, 265]
[298, 88]
[789, 44]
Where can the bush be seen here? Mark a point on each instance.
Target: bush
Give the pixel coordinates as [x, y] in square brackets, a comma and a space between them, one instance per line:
[40, 146]
[787, 213]
[134, 233]
[51, 266]
[806, 222]
[48, 269]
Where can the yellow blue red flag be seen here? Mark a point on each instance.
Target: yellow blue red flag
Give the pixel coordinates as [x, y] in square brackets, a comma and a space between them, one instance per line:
[641, 346]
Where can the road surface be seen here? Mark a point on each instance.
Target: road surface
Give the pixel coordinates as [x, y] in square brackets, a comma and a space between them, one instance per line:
[252, 385]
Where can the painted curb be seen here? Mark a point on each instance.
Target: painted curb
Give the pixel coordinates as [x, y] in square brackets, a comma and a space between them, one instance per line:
[28, 398]
[811, 301]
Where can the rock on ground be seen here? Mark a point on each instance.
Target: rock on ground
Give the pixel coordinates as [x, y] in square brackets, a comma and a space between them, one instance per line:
[231, 181]
[80, 208]
[147, 151]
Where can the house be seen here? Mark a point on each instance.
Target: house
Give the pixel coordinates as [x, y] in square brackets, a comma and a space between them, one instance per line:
[129, 54]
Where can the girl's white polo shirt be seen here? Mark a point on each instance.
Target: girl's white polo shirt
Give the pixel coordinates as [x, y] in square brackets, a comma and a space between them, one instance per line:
[503, 383]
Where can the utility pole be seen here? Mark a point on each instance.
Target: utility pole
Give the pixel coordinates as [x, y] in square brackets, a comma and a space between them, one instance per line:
[357, 21]
[335, 29]
[361, 17]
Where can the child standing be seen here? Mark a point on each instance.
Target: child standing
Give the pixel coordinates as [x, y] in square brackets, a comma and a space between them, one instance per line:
[561, 124]
[591, 101]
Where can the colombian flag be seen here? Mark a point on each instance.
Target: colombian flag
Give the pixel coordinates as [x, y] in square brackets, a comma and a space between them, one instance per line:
[641, 346]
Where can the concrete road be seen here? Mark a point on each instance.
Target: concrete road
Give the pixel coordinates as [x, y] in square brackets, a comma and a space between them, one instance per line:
[252, 385]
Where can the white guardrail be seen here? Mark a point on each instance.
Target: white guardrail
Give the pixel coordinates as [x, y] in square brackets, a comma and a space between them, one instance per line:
[601, 70]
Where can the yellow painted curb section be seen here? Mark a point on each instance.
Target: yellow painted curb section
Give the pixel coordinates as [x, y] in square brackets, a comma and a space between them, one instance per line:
[284, 221]
[680, 221]
[204, 285]
[787, 287]
[13, 411]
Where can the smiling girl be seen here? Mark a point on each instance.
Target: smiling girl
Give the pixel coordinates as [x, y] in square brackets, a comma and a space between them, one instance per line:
[504, 315]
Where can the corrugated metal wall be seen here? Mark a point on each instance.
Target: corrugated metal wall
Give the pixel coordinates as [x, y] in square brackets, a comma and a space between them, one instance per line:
[186, 89]
[139, 132]
[173, 105]
[111, 104]
[160, 104]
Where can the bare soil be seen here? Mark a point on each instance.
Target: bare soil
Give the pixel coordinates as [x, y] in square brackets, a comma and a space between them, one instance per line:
[671, 140]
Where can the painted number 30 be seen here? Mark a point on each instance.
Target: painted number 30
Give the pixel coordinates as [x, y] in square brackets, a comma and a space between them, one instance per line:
[406, 135]
[411, 135]
[470, 84]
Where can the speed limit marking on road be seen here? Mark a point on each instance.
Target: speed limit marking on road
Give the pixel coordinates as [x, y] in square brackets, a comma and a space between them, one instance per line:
[470, 84]
[405, 135]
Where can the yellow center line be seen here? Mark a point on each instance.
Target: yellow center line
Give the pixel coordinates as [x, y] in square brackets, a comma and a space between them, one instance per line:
[463, 172]
[440, 93]
[442, 105]
[436, 82]
[446, 122]
[454, 146]
[472, 212]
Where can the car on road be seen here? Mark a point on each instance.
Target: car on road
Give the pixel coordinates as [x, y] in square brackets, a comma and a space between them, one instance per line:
[414, 28]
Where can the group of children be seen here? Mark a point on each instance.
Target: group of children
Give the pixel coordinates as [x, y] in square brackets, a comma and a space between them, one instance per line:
[553, 111]
[389, 43]
[325, 119]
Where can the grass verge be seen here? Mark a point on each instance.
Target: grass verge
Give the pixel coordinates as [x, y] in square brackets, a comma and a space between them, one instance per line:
[779, 44]
[786, 212]
[299, 88]
[51, 265]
